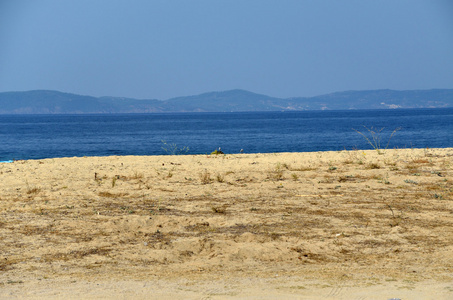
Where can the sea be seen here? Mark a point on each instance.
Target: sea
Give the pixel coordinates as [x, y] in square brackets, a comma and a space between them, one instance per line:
[26, 137]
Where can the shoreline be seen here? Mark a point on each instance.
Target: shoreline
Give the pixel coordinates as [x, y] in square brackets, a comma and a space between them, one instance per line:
[300, 220]
[382, 151]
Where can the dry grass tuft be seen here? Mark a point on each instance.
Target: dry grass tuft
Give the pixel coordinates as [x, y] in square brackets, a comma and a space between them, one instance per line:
[219, 209]
[220, 178]
[137, 175]
[372, 166]
[420, 161]
[277, 172]
[33, 190]
[112, 195]
[205, 177]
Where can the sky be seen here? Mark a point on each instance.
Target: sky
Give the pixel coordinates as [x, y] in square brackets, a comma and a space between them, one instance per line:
[159, 49]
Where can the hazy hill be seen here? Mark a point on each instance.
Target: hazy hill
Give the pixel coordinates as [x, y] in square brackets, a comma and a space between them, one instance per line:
[381, 99]
[228, 101]
[54, 102]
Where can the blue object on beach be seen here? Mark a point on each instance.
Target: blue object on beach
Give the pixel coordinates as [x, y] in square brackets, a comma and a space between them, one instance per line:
[6, 161]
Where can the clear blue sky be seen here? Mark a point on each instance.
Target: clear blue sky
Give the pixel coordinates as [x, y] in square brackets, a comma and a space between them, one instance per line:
[158, 49]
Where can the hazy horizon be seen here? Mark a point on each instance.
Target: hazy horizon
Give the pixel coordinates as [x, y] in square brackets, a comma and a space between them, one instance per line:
[225, 91]
[166, 49]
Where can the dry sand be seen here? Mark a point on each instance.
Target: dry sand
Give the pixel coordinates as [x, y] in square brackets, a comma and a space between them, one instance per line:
[324, 225]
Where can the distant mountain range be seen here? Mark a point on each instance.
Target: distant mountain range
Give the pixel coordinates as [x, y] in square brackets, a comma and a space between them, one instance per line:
[54, 102]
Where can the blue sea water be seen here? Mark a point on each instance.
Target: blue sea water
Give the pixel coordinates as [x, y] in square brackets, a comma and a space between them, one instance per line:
[47, 136]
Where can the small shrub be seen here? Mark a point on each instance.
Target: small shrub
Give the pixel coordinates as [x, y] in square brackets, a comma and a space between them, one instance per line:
[137, 175]
[372, 166]
[276, 173]
[205, 177]
[220, 178]
[173, 149]
[217, 152]
[219, 210]
[374, 137]
[410, 181]
[33, 190]
[286, 166]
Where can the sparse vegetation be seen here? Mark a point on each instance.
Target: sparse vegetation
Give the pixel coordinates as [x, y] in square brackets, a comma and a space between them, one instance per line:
[173, 149]
[220, 177]
[374, 138]
[217, 152]
[137, 175]
[32, 190]
[205, 177]
[410, 181]
[322, 218]
[276, 173]
[372, 166]
[219, 209]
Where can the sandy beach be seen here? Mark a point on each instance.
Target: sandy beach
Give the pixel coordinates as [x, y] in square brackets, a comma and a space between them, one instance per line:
[320, 225]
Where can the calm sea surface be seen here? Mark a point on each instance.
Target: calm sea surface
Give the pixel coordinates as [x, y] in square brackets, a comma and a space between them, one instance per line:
[46, 136]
